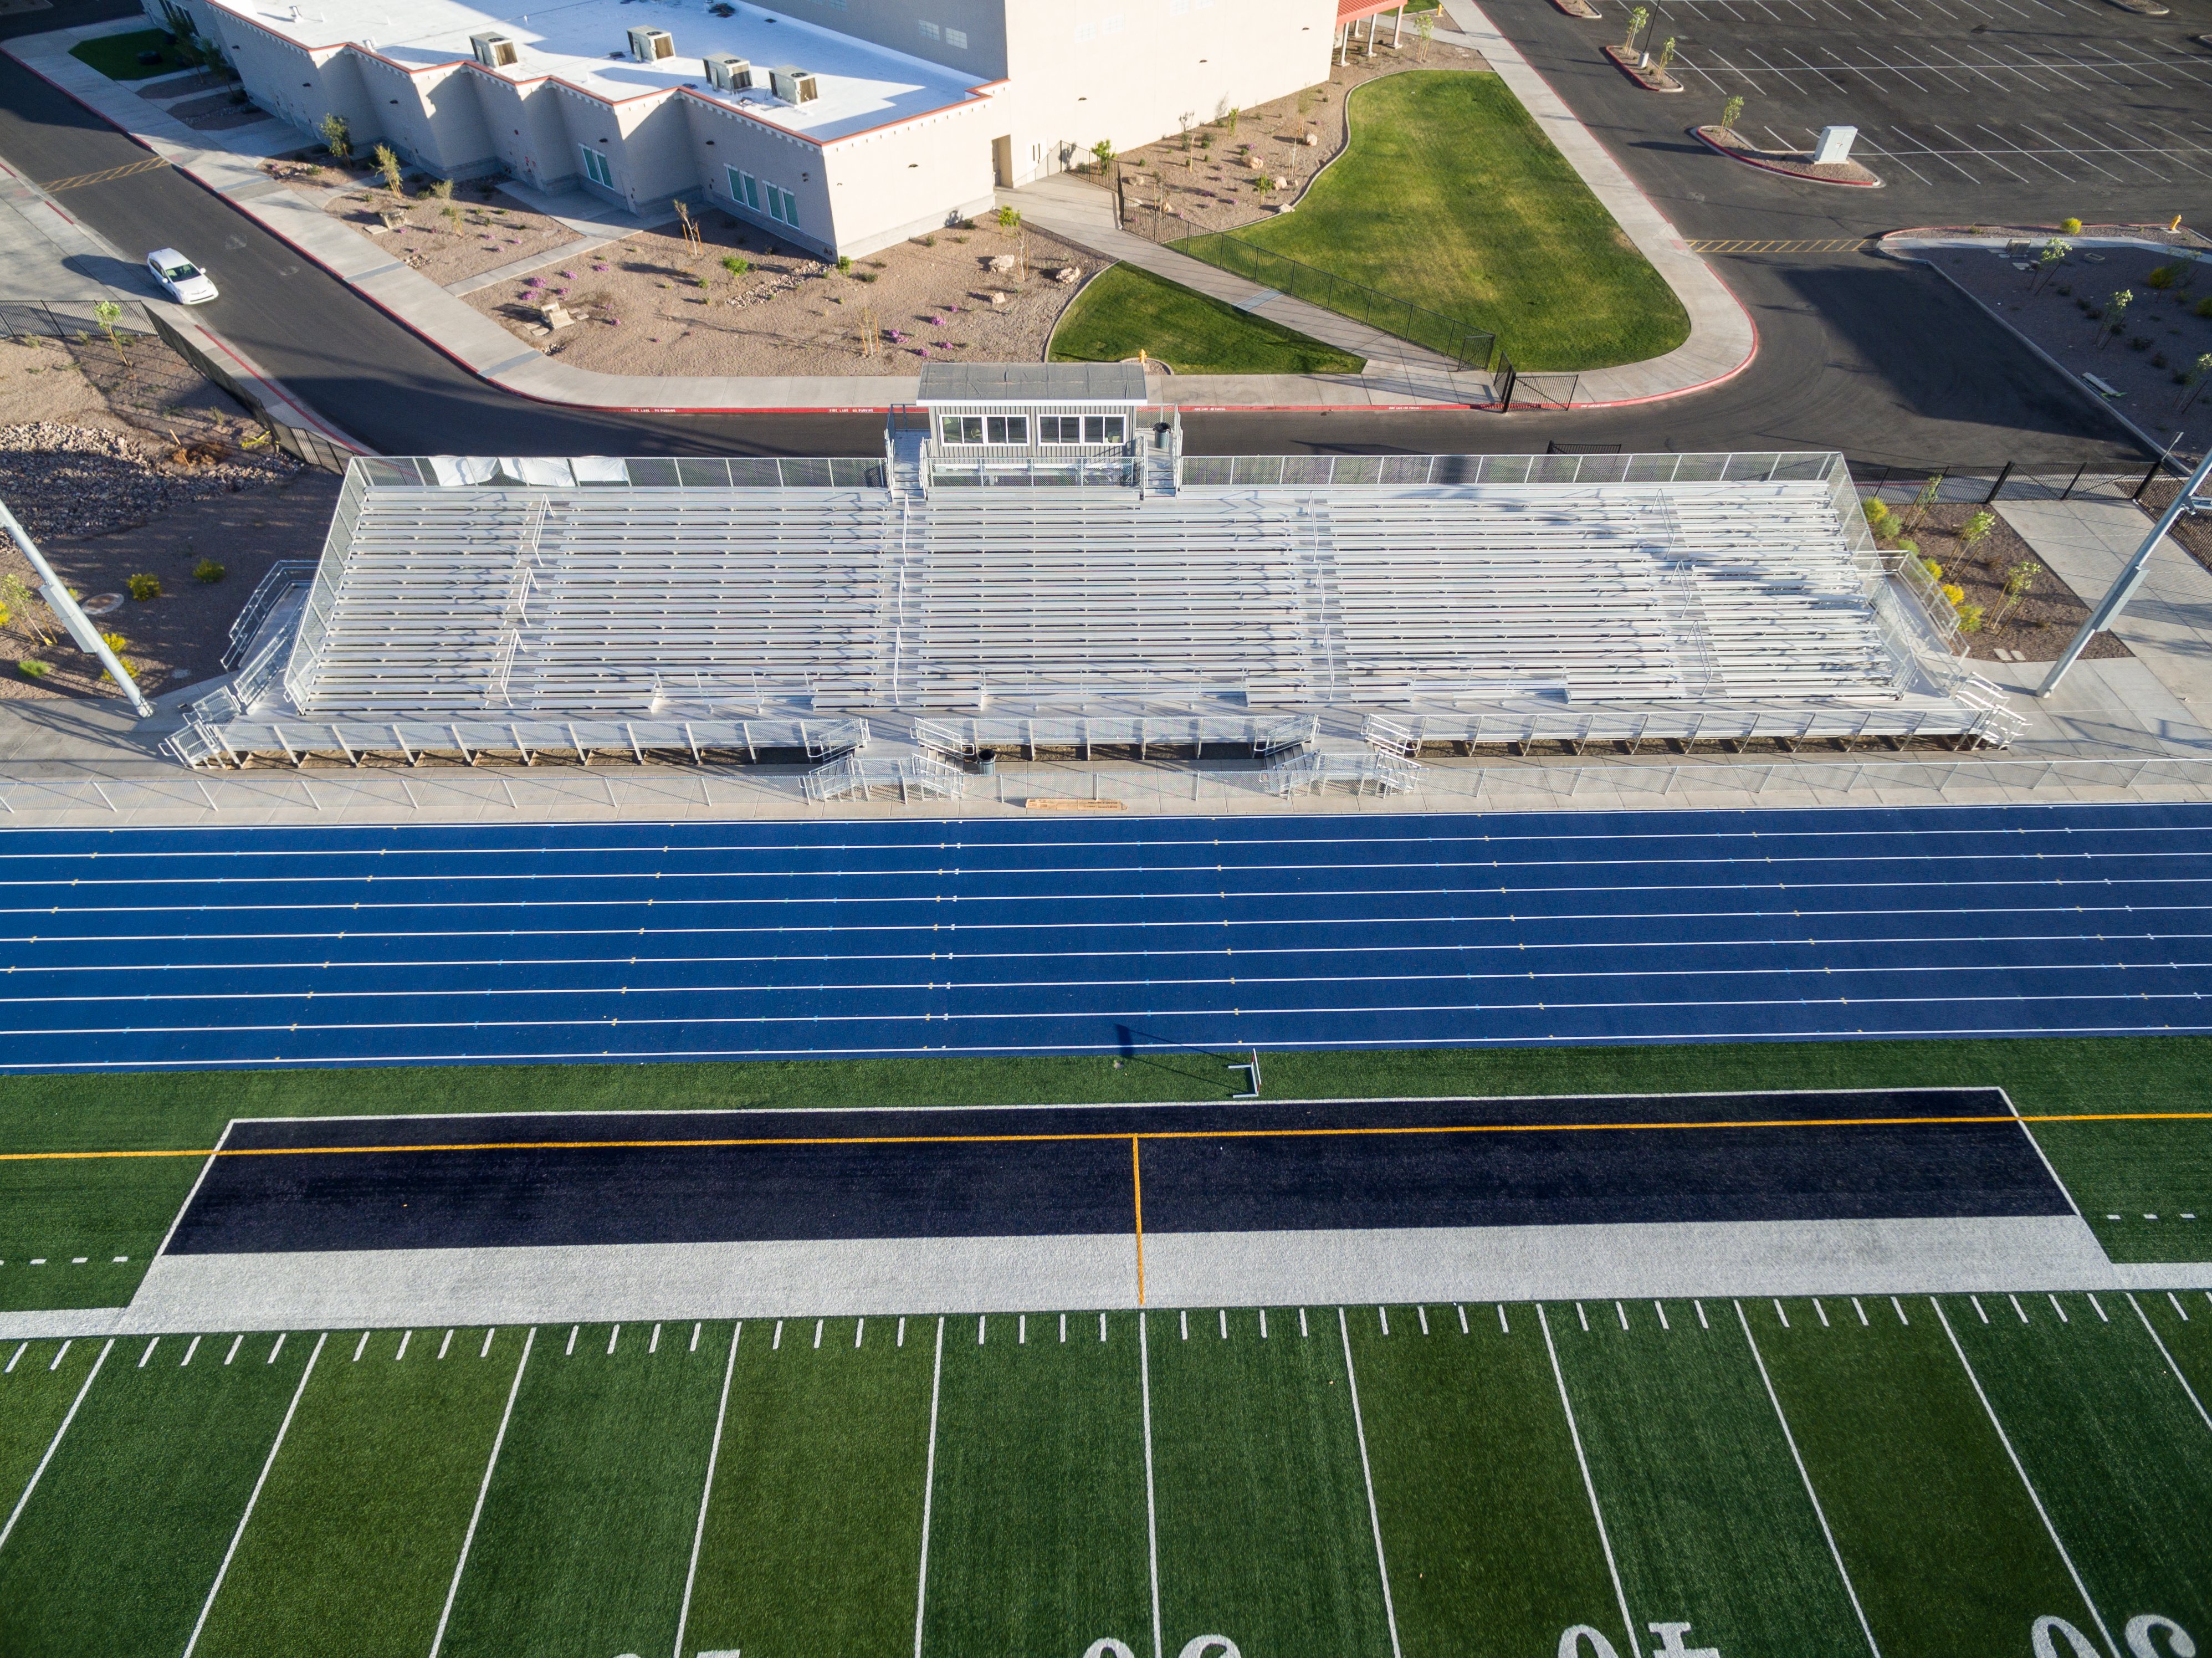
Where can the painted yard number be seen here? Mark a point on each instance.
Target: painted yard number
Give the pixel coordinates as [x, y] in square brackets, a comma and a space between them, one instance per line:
[1206, 1646]
[2054, 1637]
[2051, 1637]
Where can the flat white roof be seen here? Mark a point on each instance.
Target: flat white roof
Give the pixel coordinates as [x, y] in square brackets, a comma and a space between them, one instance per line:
[863, 87]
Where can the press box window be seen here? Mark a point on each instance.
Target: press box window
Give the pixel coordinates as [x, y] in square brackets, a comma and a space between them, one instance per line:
[984, 428]
[1087, 428]
[597, 168]
[956, 37]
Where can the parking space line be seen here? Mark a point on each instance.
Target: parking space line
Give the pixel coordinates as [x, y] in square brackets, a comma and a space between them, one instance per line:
[1870, 148]
[2063, 150]
[2116, 154]
[2026, 154]
[1684, 64]
[1935, 155]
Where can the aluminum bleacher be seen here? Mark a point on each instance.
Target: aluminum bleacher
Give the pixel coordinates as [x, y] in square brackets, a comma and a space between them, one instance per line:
[527, 611]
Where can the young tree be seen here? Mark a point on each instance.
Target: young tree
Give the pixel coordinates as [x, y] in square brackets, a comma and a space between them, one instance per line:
[1977, 528]
[1183, 121]
[2115, 310]
[335, 136]
[2019, 582]
[1104, 153]
[1425, 30]
[388, 168]
[2053, 255]
[1731, 111]
[16, 596]
[1009, 217]
[107, 313]
[1665, 54]
[2198, 373]
[1637, 20]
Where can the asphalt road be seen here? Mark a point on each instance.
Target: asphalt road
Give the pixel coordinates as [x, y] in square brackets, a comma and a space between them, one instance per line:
[756, 1177]
[1883, 361]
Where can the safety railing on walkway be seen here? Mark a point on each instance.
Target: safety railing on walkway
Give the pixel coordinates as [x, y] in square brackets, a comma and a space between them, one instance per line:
[672, 792]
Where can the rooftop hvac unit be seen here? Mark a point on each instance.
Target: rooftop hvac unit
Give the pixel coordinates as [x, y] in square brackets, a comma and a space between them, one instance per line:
[728, 72]
[492, 51]
[794, 85]
[650, 45]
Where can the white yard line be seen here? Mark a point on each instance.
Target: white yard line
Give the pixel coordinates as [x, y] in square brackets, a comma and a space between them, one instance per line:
[929, 1483]
[2027, 1484]
[253, 1497]
[1589, 1486]
[484, 1490]
[2202, 1414]
[1152, 1505]
[1367, 1474]
[1813, 1497]
[706, 1490]
[221, 1141]
[54, 1444]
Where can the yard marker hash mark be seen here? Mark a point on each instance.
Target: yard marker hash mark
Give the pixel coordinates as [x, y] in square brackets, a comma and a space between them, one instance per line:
[1659, 1307]
[237, 1342]
[1384, 1313]
[1819, 1513]
[694, 1338]
[2056, 1308]
[277, 1347]
[54, 1444]
[2016, 1307]
[268, 1462]
[860, 1330]
[2028, 1485]
[1589, 1487]
[181, 1363]
[444, 1347]
[2099, 1306]
[1860, 1310]
[653, 1345]
[1621, 1312]
[819, 1323]
[1367, 1474]
[707, 1486]
[1823, 1312]
[613, 1335]
[484, 1352]
[405, 1336]
[484, 1490]
[143, 1357]
[1424, 1314]
[570, 1351]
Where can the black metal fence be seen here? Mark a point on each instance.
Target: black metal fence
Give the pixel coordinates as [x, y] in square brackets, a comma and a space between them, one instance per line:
[2013, 480]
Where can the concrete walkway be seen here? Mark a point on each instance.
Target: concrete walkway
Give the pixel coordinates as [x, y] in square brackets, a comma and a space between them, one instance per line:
[1400, 375]
[45, 253]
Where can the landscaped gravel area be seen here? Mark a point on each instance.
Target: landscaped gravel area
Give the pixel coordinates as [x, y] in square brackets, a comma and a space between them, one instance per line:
[2161, 334]
[1207, 179]
[652, 304]
[98, 480]
[484, 229]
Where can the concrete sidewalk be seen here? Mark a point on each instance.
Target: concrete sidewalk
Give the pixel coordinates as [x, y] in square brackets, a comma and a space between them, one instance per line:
[1401, 374]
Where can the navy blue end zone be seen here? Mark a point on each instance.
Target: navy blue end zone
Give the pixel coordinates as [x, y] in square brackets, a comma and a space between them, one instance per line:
[524, 1181]
[136, 949]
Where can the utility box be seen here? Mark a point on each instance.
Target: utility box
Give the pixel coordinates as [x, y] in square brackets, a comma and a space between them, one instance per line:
[492, 51]
[650, 45]
[1835, 145]
[727, 72]
[794, 85]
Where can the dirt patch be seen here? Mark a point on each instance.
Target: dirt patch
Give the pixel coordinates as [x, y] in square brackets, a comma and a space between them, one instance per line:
[2038, 624]
[126, 462]
[1211, 177]
[2067, 309]
[179, 636]
[654, 304]
[2193, 535]
[449, 239]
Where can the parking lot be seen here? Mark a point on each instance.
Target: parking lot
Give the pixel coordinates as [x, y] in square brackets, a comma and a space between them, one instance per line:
[1962, 96]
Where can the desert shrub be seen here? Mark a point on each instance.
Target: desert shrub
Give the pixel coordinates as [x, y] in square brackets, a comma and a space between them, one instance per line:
[144, 586]
[30, 668]
[1955, 594]
[1970, 618]
[2203, 306]
[207, 570]
[2070, 226]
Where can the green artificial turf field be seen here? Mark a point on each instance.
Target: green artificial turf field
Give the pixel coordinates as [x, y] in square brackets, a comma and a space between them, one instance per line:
[1911, 1477]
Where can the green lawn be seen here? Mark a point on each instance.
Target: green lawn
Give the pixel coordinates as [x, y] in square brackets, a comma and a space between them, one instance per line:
[1125, 309]
[116, 56]
[1073, 1487]
[1449, 197]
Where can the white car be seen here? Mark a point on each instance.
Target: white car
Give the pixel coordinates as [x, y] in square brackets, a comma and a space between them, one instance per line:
[183, 281]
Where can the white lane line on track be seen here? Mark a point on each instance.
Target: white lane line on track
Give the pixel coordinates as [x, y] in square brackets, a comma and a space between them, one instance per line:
[246, 1519]
[2027, 1484]
[53, 1444]
[1367, 1474]
[484, 1490]
[707, 1486]
[1152, 1502]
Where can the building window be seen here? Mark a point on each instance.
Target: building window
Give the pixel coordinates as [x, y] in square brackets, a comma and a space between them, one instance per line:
[1178, 8]
[929, 30]
[597, 167]
[1086, 32]
[744, 189]
[1112, 25]
[782, 206]
[961, 428]
[1103, 429]
[1058, 428]
[1007, 429]
[956, 37]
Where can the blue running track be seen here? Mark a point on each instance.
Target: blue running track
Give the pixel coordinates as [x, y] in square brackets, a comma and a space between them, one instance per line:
[141, 948]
